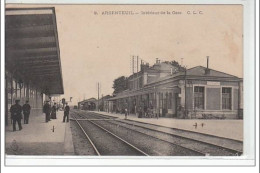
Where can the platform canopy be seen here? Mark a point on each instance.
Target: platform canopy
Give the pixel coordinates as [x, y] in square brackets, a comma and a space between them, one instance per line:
[32, 48]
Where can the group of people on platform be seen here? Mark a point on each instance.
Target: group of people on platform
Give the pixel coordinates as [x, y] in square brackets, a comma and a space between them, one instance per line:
[17, 112]
[142, 112]
[147, 112]
[50, 112]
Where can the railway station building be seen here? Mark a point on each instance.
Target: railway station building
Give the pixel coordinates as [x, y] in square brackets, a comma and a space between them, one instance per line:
[32, 58]
[170, 91]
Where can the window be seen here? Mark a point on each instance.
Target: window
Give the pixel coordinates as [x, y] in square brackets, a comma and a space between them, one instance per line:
[226, 98]
[9, 91]
[155, 101]
[160, 100]
[199, 97]
[151, 100]
[140, 82]
[15, 88]
[170, 101]
[166, 101]
[18, 91]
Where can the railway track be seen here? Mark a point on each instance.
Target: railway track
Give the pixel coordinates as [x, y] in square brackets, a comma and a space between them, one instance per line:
[236, 149]
[222, 143]
[187, 142]
[114, 144]
[87, 137]
[152, 145]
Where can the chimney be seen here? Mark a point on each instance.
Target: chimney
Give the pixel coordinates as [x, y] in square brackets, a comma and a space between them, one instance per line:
[207, 70]
[207, 62]
[137, 61]
[156, 60]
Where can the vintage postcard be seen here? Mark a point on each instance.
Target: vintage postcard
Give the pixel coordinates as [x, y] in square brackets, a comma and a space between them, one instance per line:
[129, 81]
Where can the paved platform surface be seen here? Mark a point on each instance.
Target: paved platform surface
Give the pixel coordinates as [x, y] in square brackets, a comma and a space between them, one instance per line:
[232, 129]
[38, 137]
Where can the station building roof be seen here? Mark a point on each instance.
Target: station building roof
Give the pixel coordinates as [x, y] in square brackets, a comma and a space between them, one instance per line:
[195, 73]
[32, 51]
[199, 73]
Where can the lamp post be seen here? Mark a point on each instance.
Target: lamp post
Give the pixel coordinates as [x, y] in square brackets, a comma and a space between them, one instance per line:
[98, 98]
[185, 88]
[155, 102]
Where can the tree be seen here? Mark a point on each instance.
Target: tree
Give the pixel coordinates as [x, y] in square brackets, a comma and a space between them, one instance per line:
[176, 64]
[120, 84]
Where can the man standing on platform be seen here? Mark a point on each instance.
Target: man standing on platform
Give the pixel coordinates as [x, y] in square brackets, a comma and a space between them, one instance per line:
[126, 112]
[26, 112]
[16, 114]
[47, 111]
[66, 112]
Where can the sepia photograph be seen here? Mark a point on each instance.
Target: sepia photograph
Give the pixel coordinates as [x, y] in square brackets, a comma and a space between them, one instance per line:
[95, 80]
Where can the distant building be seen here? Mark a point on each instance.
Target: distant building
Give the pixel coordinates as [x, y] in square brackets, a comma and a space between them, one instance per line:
[88, 104]
[171, 91]
[93, 104]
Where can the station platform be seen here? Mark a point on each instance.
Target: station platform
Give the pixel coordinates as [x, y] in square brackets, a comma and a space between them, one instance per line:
[232, 129]
[39, 137]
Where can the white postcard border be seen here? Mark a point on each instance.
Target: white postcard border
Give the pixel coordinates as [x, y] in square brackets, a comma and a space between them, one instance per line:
[249, 107]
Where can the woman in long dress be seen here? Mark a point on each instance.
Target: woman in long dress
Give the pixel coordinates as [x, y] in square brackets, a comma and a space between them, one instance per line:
[53, 111]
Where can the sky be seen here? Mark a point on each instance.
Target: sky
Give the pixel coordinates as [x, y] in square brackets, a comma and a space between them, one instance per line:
[98, 48]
